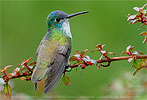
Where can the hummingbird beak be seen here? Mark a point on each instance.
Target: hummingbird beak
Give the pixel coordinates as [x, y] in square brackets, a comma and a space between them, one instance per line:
[79, 13]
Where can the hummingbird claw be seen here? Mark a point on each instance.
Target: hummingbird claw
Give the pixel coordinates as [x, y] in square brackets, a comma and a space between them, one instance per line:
[35, 86]
[81, 72]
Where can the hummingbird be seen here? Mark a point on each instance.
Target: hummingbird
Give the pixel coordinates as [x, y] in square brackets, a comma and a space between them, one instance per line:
[54, 50]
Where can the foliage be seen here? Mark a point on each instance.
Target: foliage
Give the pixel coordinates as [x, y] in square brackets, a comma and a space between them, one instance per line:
[141, 16]
[24, 73]
[80, 59]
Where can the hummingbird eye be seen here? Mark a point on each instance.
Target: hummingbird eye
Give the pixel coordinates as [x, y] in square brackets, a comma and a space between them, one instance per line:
[57, 20]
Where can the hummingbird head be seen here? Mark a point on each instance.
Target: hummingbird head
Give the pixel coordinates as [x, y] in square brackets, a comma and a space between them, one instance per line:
[57, 19]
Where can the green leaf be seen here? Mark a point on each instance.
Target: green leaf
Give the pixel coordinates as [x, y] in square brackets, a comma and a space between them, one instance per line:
[143, 62]
[7, 90]
[136, 64]
[65, 80]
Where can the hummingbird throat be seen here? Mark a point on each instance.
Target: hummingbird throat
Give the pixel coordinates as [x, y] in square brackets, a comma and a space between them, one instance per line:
[66, 28]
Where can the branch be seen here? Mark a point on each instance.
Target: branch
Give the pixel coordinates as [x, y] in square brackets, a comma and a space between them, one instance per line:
[113, 59]
[80, 59]
[122, 58]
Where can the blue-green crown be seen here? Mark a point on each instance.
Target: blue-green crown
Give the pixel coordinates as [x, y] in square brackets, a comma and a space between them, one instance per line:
[55, 19]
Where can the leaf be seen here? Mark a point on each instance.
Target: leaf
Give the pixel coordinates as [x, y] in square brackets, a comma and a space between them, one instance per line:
[65, 80]
[80, 61]
[143, 62]
[136, 64]
[131, 17]
[103, 51]
[9, 74]
[7, 90]
[124, 52]
[140, 26]
[111, 53]
[7, 67]
[83, 53]
[73, 58]
[2, 81]
[130, 59]
[129, 48]
[94, 50]
[17, 69]
[68, 69]
[137, 70]
[145, 40]
[143, 33]
[93, 61]
[134, 21]
[23, 78]
[137, 52]
[86, 58]
[100, 46]
[144, 6]
[101, 57]
[136, 8]
[77, 52]
[33, 63]
[25, 62]
[1, 70]
[141, 53]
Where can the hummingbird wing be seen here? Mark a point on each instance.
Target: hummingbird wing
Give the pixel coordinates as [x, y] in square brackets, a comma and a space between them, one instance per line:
[43, 40]
[57, 69]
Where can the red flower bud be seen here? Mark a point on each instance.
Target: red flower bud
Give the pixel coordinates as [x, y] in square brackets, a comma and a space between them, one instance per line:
[77, 58]
[25, 73]
[83, 66]
[98, 67]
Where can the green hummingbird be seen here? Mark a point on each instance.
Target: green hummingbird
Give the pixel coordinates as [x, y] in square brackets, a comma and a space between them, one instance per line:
[54, 50]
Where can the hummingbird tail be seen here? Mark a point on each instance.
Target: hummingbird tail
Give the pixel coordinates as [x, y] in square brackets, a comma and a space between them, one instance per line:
[39, 74]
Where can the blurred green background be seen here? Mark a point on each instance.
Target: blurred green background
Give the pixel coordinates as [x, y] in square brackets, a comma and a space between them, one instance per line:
[23, 25]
